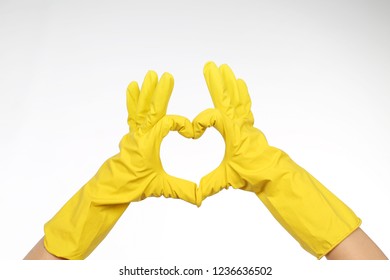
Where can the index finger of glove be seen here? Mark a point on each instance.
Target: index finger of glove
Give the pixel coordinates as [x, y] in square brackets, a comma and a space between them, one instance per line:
[206, 119]
[174, 123]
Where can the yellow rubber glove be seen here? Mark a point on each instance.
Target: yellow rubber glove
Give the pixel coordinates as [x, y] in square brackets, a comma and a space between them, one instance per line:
[314, 216]
[132, 175]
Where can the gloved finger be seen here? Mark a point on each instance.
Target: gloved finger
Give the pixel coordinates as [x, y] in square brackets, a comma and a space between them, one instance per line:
[214, 182]
[231, 85]
[208, 118]
[160, 99]
[132, 95]
[145, 97]
[245, 99]
[173, 123]
[179, 188]
[217, 89]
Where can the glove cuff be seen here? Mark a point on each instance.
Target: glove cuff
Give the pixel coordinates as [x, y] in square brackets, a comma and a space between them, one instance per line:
[312, 214]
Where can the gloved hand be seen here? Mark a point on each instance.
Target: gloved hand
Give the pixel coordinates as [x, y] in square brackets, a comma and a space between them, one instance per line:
[314, 216]
[132, 175]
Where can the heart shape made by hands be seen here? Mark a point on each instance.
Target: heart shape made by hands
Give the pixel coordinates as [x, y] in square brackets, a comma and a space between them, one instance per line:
[192, 159]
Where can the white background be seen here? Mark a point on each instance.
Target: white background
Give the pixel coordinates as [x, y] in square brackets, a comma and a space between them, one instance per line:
[318, 74]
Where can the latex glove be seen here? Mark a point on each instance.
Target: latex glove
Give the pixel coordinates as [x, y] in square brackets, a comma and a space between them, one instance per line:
[314, 216]
[132, 175]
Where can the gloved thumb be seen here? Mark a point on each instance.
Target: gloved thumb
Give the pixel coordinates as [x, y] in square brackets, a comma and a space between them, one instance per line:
[213, 182]
[183, 189]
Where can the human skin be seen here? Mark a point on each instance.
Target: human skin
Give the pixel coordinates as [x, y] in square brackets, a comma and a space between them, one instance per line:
[39, 252]
[357, 246]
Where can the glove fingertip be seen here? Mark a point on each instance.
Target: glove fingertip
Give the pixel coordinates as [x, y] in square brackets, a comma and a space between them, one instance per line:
[207, 65]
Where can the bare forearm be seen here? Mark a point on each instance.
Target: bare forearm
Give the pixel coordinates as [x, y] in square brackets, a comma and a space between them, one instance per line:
[39, 252]
[357, 246]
